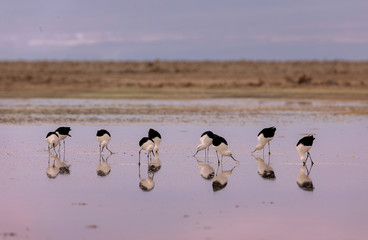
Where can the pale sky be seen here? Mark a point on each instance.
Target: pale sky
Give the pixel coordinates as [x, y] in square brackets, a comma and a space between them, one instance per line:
[183, 30]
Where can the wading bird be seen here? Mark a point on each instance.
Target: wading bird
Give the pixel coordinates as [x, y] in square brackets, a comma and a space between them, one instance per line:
[146, 144]
[265, 136]
[63, 132]
[52, 138]
[206, 141]
[104, 138]
[156, 138]
[303, 146]
[220, 145]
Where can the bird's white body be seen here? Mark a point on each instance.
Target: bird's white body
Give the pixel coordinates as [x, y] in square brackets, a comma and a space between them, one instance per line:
[207, 171]
[148, 146]
[103, 168]
[61, 136]
[147, 184]
[223, 150]
[104, 140]
[303, 180]
[205, 142]
[302, 150]
[53, 140]
[262, 141]
[157, 142]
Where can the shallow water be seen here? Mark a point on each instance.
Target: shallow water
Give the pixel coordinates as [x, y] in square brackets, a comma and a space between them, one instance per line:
[182, 204]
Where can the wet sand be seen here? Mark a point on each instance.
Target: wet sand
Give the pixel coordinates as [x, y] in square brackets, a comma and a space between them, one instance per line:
[86, 111]
[182, 204]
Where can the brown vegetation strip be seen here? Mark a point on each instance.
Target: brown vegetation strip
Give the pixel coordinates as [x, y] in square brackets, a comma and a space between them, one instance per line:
[184, 80]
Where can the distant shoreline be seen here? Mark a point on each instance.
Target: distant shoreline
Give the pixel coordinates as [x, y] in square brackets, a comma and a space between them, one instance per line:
[332, 80]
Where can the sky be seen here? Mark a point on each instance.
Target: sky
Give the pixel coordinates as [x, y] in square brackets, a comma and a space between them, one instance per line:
[184, 30]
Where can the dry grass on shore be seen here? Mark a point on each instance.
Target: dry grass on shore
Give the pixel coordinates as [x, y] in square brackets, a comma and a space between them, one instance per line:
[180, 79]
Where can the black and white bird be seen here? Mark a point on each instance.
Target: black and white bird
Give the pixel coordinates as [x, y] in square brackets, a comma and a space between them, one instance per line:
[63, 132]
[104, 138]
[52, 138]
[148, 145]
[220, 145]
[156, 138]
[265, 136]
[206, 141]
[303, 146]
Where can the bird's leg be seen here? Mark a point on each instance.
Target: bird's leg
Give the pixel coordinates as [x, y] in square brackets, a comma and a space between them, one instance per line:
[310, 158]
[53, 146]
[99, 148]
[110, 150]
[234, 159]
[195, 153]
[218, 159]
[269, 149]
[139, 162]
[263, 152]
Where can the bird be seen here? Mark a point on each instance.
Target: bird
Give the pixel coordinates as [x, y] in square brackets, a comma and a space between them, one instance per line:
[52, 138]
[303, 180]
[156, 138]
[220, 145]
[206, 141]
[303, 146]
[63, 132]
[104, 138]
[265, 136]
[146, 144]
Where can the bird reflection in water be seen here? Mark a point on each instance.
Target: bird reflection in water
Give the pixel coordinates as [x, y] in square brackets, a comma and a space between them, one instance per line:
[57, 166]
[303, 180]
[146, 184]
[52, 171]
[155, 164]
[265, 170]
[207, 171]
[103, 167]
[220, 180]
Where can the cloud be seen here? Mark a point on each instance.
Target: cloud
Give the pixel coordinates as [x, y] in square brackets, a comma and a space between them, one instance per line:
[79, 39]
